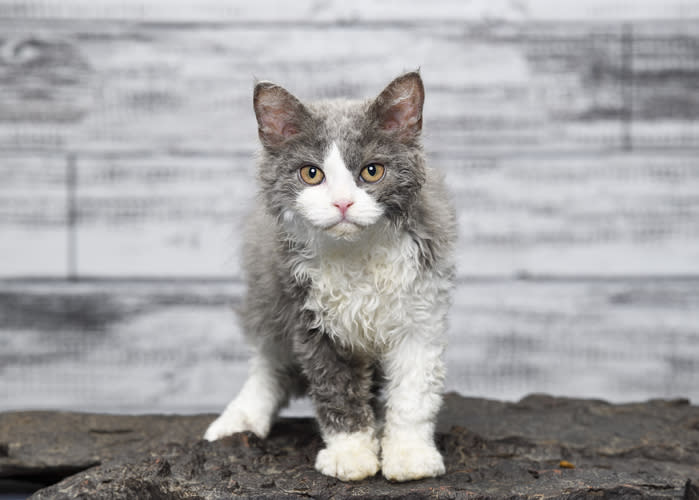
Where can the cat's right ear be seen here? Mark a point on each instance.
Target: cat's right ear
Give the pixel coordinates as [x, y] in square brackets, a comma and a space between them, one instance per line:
[279, 114]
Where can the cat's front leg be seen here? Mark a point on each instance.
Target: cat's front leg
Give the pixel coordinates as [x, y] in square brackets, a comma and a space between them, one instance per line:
[340, 387]
[257, 403]
[415, 379]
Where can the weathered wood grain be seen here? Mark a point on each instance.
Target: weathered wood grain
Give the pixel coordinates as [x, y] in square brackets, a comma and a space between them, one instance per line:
[527, 119]
[160, 215]
[130, 346]
[109, 85]
[33, 214]
[356, 11]
[663, 86]
[596, 215]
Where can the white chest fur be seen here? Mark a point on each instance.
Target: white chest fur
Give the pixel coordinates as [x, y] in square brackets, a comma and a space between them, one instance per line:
[368, 296]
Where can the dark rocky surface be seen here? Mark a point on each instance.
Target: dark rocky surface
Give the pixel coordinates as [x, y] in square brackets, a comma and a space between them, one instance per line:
[492, 450]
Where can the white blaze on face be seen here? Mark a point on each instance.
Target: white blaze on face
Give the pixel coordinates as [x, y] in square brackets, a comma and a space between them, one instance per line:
[320, 204]
[339, 180]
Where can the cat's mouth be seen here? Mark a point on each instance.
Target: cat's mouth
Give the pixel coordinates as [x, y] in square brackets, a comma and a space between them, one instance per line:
[344, 229]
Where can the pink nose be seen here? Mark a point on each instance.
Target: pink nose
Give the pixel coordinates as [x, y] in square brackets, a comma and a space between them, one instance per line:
[343, 205]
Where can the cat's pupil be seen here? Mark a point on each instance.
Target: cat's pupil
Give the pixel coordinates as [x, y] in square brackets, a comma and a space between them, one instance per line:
[372, 170]
[312, 172]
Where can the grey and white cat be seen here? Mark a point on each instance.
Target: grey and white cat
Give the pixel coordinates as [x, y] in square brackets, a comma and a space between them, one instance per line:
[349, 273]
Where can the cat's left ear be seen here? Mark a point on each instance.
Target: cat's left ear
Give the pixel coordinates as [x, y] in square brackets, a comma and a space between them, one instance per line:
[398, 109]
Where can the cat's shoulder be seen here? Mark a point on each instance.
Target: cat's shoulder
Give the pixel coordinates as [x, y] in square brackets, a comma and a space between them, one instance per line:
[433, 223]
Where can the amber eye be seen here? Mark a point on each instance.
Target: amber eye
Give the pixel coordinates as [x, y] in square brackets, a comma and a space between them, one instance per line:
[311, 175]
[372, 172]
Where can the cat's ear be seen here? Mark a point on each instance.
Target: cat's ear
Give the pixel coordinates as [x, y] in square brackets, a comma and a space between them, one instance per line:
[279, 114]
[398, 109]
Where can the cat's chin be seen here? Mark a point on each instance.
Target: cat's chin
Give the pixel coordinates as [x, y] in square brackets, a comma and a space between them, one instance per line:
[344, 230]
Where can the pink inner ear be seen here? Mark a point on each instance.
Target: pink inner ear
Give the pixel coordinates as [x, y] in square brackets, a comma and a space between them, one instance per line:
[277, 121]
[403, 113]
[289, 130]
[390, 124]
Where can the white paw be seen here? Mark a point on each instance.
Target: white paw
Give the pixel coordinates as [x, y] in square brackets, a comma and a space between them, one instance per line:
[349, 457]
[235, 420]
[407, 460]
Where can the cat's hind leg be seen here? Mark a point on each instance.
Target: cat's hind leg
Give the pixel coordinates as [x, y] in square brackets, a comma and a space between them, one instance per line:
[269, 385]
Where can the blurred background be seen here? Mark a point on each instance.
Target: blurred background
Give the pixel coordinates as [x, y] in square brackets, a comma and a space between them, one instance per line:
[568, 132]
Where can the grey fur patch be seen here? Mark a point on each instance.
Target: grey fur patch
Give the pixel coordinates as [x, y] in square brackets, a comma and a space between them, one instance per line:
[340, 384]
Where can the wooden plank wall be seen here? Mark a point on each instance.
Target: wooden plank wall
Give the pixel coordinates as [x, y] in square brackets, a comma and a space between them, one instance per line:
[127, 134]
[164, 347]
[568, 131]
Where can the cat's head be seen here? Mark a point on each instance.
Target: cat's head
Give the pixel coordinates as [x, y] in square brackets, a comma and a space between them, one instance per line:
[339, 167]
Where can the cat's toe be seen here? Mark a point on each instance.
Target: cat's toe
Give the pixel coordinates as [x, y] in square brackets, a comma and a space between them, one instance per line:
[219, 428]
[406, 461]
[231, 422]
[347, 467]
[349, 459]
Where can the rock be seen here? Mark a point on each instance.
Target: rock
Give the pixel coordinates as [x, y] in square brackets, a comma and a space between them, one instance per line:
[539, 447]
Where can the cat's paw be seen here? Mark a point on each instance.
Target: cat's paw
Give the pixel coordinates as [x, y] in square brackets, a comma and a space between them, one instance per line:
[406, 460]
[349, 456]
[234, 420]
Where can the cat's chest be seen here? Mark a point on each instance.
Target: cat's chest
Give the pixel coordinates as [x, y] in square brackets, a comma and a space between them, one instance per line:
[364, 299]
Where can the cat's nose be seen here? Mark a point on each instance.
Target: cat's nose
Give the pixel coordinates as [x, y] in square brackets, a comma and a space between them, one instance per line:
[343, 205]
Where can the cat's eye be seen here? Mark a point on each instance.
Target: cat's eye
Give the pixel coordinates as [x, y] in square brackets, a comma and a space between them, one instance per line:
[372, 172]
[311, 175]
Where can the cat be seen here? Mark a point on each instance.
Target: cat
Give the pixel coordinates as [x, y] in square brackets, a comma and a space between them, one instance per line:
[348, 258]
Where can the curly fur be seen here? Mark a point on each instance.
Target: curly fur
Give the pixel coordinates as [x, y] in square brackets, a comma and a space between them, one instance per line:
[341, 302]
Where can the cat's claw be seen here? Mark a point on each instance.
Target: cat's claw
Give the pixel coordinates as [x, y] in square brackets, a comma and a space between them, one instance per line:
[231, 422]
[406, 461]
[349, 458]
